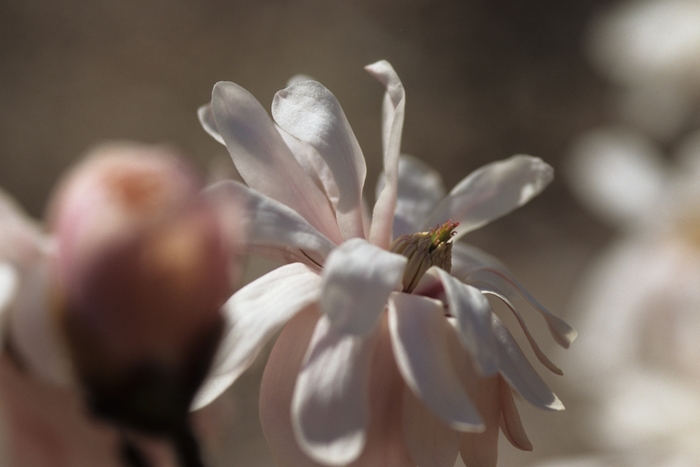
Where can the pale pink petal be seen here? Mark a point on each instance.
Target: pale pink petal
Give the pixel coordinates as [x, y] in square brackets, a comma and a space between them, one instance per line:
[21, 241]
[392, 125]
[206, 119]
[420, 189]
[253, 315]
[487, 273]
[510, 420]
[9, 283]
[418, 336]
[273, 224]
[473, 313]
[357, 280]
[314, 166]
[330, 406]
[310, 112]
[429, 440]
[519, 373]
[491, 192]
[264, 161]
[33, 330]
[277, 386]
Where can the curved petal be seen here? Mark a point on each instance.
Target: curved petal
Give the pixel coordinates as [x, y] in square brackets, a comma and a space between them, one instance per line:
[310, 112]
[420, 189]
[277, 386]
[518, 372]
[272, 224]
[264, 161]
[392, 125]
[510, 420]
[206, 119]
[418, 337]
[21, 241]
[491, 192]
[473, 313]
[429, 440]
[253, 315]
[330, 407]
[9, 282]
[357, 280]
[487, 273]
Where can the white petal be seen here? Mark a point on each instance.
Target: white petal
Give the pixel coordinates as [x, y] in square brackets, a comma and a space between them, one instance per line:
[330, 406]
[430, 441]
[518, 372]
[420, 189]
[21, 241]
[273, 224]
[491, 192]
[510, 420]
[206, 119]
[473, 313]
[9, 281]
[357, 280]
[34, 330]
[253, 315]
[310, 112]
[392, 125]
[418, 336]
[487, 273]
[264, 161]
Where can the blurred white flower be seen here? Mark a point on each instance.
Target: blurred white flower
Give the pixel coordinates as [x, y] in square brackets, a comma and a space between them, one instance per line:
[639, 309]
[651, 48]
[385, 359]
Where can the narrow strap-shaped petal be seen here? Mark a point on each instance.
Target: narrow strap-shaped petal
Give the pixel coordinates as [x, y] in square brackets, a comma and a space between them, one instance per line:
[264, 161]
[510, 420]
[473, 313]
[310, 112]
[519, 373]
[392, 125]
[273, 224]
[491, 192]
[357, 280]
[253, 315]
[420, 189]
[330, 405]
[9, 282]
[429, 440]
[206, 119]
[484, 271]
[418, 336]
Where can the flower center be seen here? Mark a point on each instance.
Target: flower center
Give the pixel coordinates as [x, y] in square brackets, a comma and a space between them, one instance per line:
[423, 250]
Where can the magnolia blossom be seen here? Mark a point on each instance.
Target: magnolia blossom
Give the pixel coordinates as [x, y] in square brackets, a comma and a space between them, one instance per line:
[119, 302]
[641, 299]
[386, 358]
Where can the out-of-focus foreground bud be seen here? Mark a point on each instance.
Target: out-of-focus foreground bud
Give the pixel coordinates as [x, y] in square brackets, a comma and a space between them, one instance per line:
[141, 270]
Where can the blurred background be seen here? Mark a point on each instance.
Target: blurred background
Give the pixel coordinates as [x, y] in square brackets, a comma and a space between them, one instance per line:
[485, 79]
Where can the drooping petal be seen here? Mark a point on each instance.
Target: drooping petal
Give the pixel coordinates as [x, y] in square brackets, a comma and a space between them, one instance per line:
[277, 386]
[273, 224]
[206, 119]
[418, 337]
[310, 112]
[487, 273]
[357, 280]
[392, 125]
[330, 406]
[510, 420]
[491, 192]
[420, 189]
[253, 315]
[264, 161]
[473, 313]
[519, 373]
[429, 440]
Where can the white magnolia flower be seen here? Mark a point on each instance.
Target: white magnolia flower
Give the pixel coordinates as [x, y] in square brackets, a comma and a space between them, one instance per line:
[639, 307]
[386, 358]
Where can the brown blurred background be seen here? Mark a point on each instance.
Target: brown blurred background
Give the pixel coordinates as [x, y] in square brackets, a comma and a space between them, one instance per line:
[485, 79]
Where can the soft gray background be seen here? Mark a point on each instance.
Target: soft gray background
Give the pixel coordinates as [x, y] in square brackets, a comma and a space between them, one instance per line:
[485, 79]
